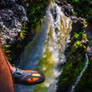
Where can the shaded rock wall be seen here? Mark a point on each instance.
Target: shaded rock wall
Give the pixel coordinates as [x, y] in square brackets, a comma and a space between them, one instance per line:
[12, 15]
[89, 36]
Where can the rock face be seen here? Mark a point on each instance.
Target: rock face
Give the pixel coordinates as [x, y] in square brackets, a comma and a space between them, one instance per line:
[12, 15]
[89, 37]
[66, 8]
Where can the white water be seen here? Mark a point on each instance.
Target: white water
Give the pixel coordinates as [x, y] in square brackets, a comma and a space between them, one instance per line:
[81, 74]
[46, 52]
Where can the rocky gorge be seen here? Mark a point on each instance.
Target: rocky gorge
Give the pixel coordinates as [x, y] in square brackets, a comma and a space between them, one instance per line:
[21, 22]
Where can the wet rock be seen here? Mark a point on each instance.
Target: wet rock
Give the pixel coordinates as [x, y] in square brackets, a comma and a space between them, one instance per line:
[89, 32]
[12, 15]
[89, 37]
[6, 3]
[20, 12]
[66, 8]
[77, 24]
[61, 2]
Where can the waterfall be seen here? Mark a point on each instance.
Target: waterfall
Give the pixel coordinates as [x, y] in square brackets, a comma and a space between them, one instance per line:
[46, 51]
[80, 75]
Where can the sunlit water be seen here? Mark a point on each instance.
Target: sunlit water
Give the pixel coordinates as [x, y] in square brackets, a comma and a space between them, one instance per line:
[80, 75]
[46, 51]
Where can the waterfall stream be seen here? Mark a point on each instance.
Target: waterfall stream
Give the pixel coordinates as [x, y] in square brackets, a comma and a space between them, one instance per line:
[46, 51]
[80, 75]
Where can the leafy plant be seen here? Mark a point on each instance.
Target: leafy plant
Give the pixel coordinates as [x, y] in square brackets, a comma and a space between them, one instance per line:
[76, 35]
[75, 1]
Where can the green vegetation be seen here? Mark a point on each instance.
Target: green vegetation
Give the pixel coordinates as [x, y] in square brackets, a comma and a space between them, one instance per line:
[24, 30]
[85, 84]
[82, 8]
[13, 51]
[75, 61]
[76, 52]
[80, 43]
[36, 10]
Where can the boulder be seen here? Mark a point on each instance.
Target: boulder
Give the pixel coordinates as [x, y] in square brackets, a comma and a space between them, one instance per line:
[12, 15]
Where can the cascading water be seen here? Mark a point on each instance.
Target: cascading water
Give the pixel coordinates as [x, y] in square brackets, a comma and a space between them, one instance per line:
[47, 50]
[80, 75]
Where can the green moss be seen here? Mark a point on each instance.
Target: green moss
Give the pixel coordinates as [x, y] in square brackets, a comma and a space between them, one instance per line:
[46, 64]
[36, 10]
[47, 61]
[75, 61]
[84, 36]
[75, 1]
[71, 70]
[76, 35]
[24, 30]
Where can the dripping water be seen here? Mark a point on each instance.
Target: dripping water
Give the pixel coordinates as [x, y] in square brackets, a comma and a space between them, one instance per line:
[80, 75]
